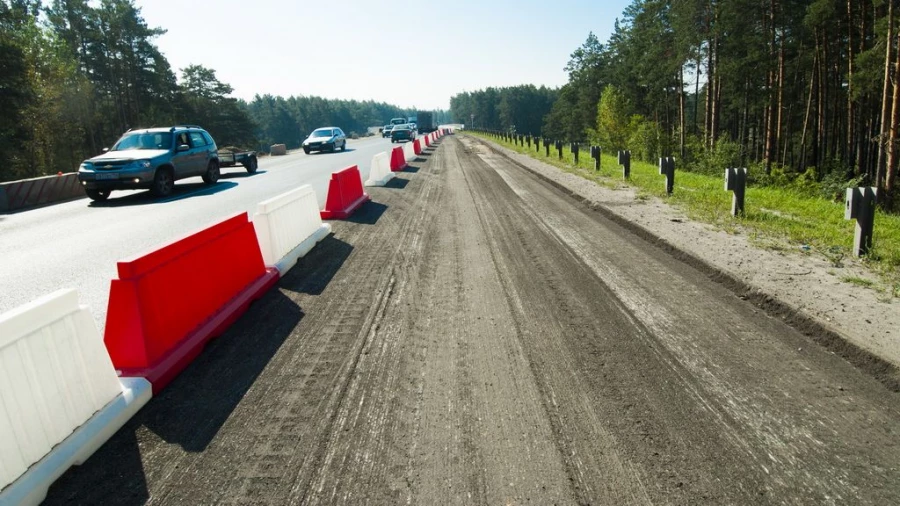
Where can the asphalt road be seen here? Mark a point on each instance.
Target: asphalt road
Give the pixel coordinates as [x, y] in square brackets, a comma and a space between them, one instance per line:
[475, 336]
[76, 244]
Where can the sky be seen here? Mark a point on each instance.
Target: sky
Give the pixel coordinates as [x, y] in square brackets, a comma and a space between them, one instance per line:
[408, 54]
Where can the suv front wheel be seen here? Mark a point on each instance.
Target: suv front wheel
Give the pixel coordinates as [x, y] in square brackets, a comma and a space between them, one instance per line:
[97, 195]
[212, 173]
[163, 183]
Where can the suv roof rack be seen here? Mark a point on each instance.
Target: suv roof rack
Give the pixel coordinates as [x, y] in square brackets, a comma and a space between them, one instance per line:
[186, 126]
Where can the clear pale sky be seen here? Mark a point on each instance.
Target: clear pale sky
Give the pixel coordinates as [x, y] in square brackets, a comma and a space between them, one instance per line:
[410, 54]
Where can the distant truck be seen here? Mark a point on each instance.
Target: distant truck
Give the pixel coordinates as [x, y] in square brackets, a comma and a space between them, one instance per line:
[426, 122]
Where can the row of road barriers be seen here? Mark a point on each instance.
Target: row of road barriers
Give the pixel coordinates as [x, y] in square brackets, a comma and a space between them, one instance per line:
[384, 165]
[63, 394]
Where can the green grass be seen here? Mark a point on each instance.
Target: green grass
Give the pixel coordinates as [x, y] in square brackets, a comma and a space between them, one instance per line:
[774, 217]
[855, 280]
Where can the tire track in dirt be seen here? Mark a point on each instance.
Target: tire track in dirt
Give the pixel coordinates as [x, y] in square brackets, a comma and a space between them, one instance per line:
[766, 393]
[444, 409]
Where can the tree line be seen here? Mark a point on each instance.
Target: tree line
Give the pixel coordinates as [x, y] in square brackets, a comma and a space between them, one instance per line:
[798, 90]
[76, 74]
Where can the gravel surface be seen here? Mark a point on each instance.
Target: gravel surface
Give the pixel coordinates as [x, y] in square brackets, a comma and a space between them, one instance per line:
[807, 289]
[476, 335]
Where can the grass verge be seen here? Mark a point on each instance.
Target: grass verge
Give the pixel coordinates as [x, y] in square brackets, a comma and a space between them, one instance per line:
[775, 218]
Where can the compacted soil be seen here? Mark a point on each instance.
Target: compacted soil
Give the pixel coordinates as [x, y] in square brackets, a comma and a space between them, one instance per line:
[476, 335]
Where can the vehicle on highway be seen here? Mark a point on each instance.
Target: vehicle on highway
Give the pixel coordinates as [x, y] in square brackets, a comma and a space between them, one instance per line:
[425, 122]
[152, 158]
[325, 139]
[230, 157]
[386, 131]
[398, 121]
[402, 132]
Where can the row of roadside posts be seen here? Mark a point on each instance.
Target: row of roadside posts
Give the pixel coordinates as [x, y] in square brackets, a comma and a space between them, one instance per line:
[860, 202]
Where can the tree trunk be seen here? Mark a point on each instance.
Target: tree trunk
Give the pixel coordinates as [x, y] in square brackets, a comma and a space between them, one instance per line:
[710, 93]
[809, 101]
[851, 113]
[697, 94]
[885, 105]
[769, 149]
[891, 163]
[681, 111]
[715, 96]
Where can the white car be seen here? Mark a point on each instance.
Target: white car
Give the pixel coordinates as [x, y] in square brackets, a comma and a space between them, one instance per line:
[325, 139]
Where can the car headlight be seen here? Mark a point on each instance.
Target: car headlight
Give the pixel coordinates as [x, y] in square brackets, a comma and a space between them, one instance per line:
[138, 164]
[86, 166]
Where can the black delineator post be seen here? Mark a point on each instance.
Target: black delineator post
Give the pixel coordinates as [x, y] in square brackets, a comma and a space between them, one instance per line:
[861, 207]
[736, 181]
[559, 146]
[595, 154]
[667, 168]
[528, 140]
[574, 148]
[625, 162]
[547, 146]
[537, 144]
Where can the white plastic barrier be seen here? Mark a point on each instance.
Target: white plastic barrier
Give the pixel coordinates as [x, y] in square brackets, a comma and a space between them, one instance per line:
[380, 171]
[288, 226]
[409, 151]
[60, 398]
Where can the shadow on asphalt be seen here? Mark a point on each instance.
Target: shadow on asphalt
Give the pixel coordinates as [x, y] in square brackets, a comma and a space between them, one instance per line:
[369, 213]
[239, 175]
[412, 169]
[316, 153]
[181, 191]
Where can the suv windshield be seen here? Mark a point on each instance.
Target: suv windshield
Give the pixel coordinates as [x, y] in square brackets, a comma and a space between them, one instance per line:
[144, 140]
[325, 132]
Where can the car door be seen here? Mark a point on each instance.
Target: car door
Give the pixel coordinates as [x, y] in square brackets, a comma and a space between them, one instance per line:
[183, 161]
[199, 153]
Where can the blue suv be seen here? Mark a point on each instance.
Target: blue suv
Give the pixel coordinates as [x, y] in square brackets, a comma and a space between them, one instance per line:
[153, 159]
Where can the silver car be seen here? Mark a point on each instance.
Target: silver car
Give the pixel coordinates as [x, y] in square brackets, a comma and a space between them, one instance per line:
[325, 139]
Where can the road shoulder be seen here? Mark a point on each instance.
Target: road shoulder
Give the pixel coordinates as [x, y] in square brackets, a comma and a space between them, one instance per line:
[804, 290]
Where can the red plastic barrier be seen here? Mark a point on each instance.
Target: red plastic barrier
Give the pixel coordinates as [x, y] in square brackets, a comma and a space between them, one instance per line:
[398, 159]
[168, 303]
[417, 147]
[427, 142]
[345, 193]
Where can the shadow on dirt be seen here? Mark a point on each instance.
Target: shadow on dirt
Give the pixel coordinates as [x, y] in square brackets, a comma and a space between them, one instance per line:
[314, 272]
[396, 183]
[95, 481]
[188, 413]
[369, 213]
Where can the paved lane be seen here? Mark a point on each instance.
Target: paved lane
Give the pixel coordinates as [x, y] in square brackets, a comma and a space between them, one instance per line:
[77, 244]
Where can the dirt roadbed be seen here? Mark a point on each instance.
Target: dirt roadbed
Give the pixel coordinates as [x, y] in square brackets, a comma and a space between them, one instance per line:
[475, 335]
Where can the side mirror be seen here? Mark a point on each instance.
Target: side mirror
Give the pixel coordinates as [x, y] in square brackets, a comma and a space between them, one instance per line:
[183, 147]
